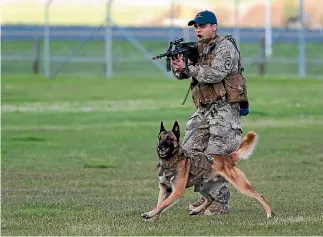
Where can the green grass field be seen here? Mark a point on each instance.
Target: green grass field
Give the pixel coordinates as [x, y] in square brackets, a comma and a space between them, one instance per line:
[128, 61]
[78, 156]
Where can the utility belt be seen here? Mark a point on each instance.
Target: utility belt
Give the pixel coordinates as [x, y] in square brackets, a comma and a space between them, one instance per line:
[231, 90]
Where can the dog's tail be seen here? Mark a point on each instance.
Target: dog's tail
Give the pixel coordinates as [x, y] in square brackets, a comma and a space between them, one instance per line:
[246, 147]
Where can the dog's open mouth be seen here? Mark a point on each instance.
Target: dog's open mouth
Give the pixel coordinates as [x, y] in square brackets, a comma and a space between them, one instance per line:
[163, 153]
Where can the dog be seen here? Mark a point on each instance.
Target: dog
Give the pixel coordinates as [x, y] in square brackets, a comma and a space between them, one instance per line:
[174, 170]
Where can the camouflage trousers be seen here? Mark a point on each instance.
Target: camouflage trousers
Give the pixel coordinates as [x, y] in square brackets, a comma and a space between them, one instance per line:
[218, 132]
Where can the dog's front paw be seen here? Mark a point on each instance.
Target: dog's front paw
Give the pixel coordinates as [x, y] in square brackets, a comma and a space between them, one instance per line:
[146, 216]
[149, 218]
[270, 215]
[193, 213]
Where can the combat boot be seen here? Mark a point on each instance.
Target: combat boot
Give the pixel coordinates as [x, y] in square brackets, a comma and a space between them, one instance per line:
[199, 202]
[217, 208]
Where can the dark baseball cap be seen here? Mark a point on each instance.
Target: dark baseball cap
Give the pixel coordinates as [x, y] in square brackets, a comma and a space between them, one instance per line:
[203, 18]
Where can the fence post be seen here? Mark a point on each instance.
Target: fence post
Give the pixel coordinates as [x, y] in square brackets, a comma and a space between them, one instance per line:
[171, 32]
[268, 30]
[46, 40]
[262, 60]
[302, 53]
[108, 41]
[236, 21]
[36, 55]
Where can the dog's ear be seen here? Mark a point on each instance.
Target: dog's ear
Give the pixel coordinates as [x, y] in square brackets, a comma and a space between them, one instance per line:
[175, 130]
[162, 128]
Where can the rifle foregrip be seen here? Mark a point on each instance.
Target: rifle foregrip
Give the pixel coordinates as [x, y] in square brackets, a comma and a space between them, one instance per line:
[168, 67]
[186, 66]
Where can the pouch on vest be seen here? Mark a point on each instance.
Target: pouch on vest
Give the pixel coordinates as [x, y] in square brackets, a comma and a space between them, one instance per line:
[207, 93]
[235, 86]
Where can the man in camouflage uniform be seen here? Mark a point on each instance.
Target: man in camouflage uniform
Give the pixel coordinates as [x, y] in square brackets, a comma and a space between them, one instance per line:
[216, 123]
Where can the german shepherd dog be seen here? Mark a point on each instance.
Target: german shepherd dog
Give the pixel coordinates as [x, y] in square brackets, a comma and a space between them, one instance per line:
[171, 189]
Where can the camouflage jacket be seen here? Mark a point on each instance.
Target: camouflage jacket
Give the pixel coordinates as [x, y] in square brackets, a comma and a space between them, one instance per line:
[225, 61]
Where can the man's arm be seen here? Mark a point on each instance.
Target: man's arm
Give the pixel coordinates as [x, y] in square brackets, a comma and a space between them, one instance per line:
[180, 74]
[225, 61]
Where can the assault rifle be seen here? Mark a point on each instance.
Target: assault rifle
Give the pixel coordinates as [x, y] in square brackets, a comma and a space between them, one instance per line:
[178, 47]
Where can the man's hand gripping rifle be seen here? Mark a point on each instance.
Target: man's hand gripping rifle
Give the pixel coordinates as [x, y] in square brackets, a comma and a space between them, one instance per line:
[178, 47]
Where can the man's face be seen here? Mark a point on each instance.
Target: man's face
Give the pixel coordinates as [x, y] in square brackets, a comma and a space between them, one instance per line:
[205, 31]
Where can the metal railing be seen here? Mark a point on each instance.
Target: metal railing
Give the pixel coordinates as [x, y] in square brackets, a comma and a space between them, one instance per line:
[109, 32]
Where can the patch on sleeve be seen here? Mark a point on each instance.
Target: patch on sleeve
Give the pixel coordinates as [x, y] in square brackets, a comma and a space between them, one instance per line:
[226, 54]
[228, 64]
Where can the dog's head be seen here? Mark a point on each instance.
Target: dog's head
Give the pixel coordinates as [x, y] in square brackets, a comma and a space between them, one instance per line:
[168, 141]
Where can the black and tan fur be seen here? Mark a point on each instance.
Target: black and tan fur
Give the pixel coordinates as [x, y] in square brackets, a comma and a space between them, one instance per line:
[172, 183]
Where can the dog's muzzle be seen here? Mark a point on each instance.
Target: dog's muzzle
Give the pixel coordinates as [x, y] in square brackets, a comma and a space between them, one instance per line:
[162, 152]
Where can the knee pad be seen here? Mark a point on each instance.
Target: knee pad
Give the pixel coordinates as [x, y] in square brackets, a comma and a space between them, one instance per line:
[218, 190]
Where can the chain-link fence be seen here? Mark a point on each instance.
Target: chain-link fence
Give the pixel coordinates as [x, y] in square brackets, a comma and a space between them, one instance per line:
[119, 37]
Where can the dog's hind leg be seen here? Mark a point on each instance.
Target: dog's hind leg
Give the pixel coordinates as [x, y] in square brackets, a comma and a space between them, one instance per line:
[208, 201]
[237, 178]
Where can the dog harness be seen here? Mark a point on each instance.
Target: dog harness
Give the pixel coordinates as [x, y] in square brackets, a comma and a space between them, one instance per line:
[200, 169]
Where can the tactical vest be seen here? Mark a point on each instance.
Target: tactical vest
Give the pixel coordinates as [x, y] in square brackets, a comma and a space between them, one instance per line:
[200, 169]
[233, 87]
